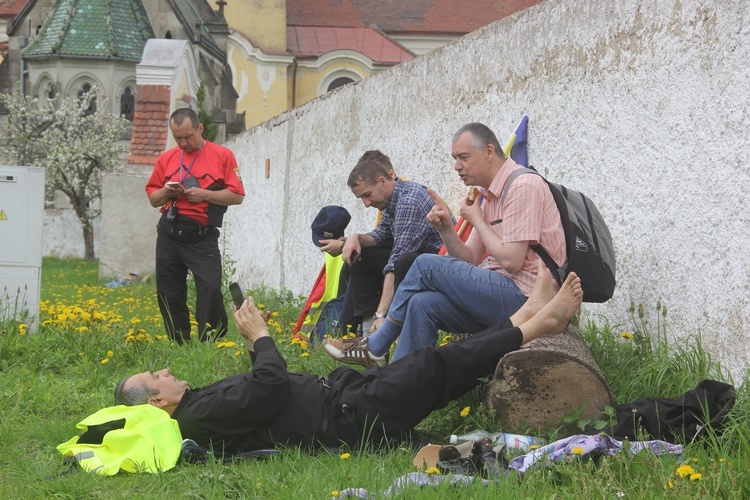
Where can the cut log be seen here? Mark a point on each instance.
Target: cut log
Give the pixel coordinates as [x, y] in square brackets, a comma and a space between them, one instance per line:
[537, 385]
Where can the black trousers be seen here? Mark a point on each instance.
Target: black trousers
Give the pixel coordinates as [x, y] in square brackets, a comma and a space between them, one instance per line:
[203, 259]
[389, 402]
[366, 283]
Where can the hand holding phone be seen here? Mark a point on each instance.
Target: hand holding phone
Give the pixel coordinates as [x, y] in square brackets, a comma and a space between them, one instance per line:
[236, 291]
[173, 184]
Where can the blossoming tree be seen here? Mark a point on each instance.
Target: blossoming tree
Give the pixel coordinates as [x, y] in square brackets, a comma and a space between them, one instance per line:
[75, 142]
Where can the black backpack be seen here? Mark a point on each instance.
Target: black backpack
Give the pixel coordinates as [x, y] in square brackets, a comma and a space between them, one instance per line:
[587, 240]
[678, 420]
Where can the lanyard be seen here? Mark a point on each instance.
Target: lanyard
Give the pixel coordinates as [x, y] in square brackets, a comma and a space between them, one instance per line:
[182, 161]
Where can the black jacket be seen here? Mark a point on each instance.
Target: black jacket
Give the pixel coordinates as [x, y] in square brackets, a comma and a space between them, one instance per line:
[261, 409]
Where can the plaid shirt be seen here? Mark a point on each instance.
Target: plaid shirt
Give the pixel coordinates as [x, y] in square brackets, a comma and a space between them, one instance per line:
[404, 227]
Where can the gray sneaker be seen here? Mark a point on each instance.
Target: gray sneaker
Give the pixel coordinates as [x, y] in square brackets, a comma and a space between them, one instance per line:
[353, 352]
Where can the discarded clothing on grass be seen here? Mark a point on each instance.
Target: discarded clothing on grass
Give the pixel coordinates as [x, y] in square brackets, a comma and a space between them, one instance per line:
[140, 438]
[678, 420]
[420, 479]
[568, 448]
[583, 444]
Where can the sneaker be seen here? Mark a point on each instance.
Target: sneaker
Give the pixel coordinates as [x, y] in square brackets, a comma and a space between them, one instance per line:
[354, 352]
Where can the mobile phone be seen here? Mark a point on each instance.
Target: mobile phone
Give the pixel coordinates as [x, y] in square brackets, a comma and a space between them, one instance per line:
[174, 184]
[237, 296]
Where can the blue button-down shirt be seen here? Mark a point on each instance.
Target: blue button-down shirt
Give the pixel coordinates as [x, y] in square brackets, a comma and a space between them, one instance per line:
[403, 226]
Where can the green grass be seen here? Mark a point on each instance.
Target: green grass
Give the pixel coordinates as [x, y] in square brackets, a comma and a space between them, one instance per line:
[91, 336]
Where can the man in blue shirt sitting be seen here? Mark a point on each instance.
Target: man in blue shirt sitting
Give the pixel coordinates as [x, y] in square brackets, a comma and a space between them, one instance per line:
[380, 257]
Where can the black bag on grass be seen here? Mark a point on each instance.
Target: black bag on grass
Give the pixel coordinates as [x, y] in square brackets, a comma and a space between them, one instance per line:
[677, 420]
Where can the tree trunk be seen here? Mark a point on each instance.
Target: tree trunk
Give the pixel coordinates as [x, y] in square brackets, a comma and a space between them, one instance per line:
[88, 241]
[537, 385]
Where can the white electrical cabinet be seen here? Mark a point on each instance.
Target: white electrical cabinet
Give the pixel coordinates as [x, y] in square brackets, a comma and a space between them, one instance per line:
[21, 223]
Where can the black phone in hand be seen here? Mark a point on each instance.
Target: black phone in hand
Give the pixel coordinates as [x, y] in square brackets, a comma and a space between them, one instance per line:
[237, 296]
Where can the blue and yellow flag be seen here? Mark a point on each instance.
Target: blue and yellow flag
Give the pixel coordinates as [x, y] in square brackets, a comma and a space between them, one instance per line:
[516, 145]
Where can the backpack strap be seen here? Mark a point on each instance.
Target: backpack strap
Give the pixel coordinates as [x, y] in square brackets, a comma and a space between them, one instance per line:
[556, 270]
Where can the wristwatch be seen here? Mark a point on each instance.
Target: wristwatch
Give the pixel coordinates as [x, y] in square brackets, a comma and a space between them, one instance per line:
[377, 315]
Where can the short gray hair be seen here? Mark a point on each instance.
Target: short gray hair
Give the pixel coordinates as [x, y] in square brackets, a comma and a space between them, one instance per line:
[138, 395]
[482, 136]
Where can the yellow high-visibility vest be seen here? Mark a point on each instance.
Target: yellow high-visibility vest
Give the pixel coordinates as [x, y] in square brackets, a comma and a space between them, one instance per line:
[140, 438]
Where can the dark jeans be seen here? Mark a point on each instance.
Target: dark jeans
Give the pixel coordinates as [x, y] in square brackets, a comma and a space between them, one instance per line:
[366, 283]
[203, 259]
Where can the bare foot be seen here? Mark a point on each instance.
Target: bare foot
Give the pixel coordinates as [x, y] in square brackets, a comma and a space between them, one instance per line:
[558, 311]
[539, 297]
[555, 315]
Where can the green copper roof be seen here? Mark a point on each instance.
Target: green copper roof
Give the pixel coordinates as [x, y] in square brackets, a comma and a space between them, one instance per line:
[99, 29]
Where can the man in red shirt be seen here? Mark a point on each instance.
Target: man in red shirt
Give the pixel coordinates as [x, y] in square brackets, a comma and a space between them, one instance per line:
[192, 184]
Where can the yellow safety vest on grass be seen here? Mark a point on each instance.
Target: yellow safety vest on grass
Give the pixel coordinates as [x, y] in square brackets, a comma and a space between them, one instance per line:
[140, 438]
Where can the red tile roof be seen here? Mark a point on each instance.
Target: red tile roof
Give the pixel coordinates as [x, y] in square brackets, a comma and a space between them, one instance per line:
[9, 8]
[405, 16]
[314, 41]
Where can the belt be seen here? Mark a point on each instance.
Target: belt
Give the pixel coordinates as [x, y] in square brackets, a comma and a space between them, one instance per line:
[183, 221]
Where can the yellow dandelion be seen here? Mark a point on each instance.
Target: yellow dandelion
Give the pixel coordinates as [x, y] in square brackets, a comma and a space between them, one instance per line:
[238, 353]
[82, 329]
[105, 361]
[533, 447]
[274, 314]
[626, 335]
[465, 412]
[696, 476]
[685, 470]
[260, 306]
[577, 450]
[335, 493]
[23, 328]
[304, 354]
[695, 460]
[110, 354]
[670, 484]
[303, 345]
[344, 456]
[432, 470]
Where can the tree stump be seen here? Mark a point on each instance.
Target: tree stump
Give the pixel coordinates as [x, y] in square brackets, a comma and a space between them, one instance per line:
[537, 385]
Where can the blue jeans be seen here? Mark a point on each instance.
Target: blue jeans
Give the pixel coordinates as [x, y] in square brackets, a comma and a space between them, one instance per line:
[446, 293]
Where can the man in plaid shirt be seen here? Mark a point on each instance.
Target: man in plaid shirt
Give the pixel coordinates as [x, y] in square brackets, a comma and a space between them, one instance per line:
[379, 258]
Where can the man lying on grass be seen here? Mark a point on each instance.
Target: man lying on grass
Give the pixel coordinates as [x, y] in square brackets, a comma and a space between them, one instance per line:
[269, 406]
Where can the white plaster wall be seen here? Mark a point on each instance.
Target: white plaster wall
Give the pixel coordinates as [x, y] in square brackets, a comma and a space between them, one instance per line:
[62, 235]
[643, 105]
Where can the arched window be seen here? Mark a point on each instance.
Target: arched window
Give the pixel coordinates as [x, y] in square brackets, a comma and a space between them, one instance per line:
[85, 89]
[339, 82]
[49, 91]
[127, 103]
